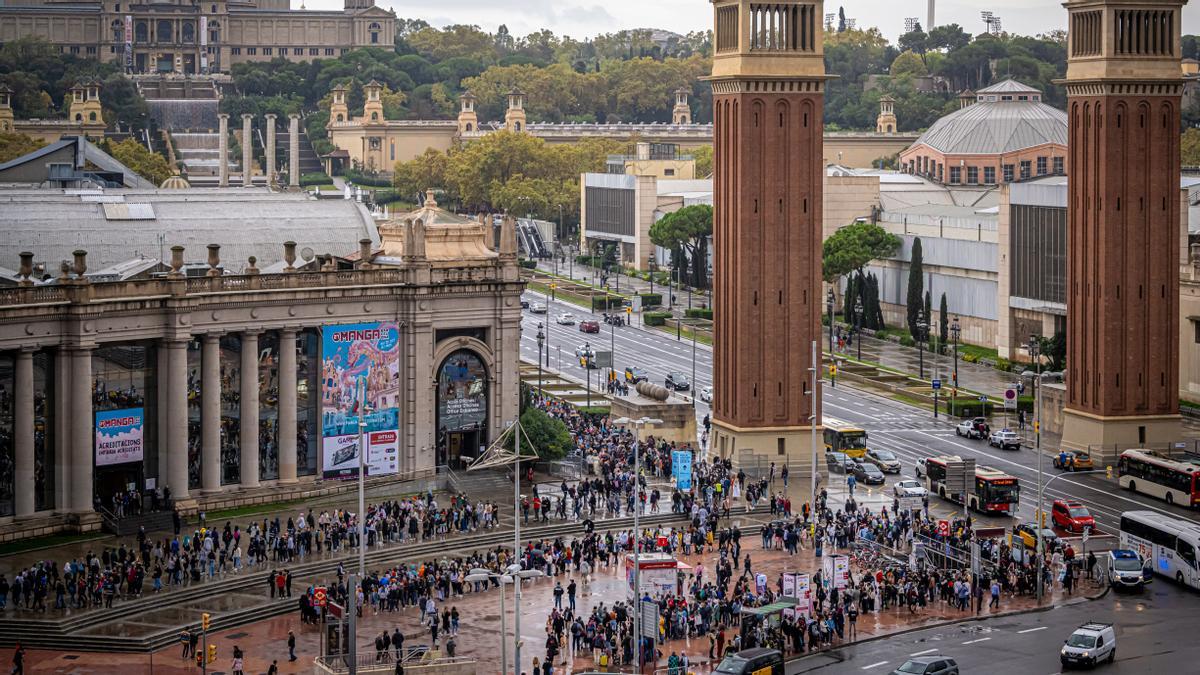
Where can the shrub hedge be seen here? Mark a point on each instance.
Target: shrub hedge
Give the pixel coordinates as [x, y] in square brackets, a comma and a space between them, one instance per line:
[310, 179]
[655, 318]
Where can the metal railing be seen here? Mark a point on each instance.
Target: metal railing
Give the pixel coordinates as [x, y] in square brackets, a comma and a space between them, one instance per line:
[372, 663]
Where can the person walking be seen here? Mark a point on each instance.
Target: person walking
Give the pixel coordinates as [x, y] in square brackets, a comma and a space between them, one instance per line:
[291, 645]
[995, 594]
[238, 663]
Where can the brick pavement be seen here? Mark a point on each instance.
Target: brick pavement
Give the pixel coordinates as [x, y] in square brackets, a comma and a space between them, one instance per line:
[479, 634]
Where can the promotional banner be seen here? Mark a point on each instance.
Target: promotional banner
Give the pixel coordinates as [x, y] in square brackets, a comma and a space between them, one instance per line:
[803, 588]
[119, 436]
[789, 585]
[462, 393]
[360, 363]
[681, 469]
[841, 572]
[204, 31]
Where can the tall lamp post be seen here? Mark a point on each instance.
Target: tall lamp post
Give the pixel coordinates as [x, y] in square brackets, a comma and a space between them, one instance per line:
[955, 329]
[858, 321]
[829, 306]
[1035, 354]
[541, 340]
[922, 327]
[513, 575]
[638, 424]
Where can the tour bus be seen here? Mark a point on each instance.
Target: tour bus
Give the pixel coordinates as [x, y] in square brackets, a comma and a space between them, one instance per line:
[845, 437]
[1145, 471]
[1169, 544]
[995, 491]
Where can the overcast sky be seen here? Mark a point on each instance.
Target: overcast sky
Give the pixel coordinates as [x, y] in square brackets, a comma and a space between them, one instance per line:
[584, 18]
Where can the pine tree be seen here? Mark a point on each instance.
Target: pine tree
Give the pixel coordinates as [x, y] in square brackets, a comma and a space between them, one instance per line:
[853, 291]
[841, 27]
[916, 288]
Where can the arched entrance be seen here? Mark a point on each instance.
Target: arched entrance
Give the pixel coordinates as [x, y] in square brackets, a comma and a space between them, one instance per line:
[462, 407]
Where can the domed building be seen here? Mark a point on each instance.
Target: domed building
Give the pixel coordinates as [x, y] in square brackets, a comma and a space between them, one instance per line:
[1007, 135]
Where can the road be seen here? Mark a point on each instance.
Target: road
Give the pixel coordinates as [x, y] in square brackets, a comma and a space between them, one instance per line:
[1154, 635]
[909, 432]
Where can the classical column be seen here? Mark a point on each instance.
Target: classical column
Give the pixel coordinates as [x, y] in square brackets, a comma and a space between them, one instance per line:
[223, 149]
[249, 415]
[247, 149]
[294, 150]
[270, 149]
[210, 413]
[23, 482]
[82, 433]
[287, 406]
[176, 432]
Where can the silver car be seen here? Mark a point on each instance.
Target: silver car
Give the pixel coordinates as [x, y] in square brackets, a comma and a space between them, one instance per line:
[886, 460]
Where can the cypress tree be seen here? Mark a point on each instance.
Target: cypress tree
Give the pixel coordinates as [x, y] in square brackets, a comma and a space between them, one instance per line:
[916, 288]
[927, 318]
[944, 322]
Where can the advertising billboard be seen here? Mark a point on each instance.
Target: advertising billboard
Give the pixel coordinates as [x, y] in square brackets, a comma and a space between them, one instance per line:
[360, 364]
[462, 393]
[119, 436]
[681, 469]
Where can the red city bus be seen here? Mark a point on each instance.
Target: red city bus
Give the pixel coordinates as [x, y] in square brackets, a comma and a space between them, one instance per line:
[995, 491]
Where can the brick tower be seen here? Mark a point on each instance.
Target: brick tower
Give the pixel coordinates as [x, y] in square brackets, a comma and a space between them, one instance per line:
[768, 85]
[1124, 83]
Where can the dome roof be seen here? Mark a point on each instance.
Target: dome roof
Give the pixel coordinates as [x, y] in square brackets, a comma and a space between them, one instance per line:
[993, 127]
[175, 182]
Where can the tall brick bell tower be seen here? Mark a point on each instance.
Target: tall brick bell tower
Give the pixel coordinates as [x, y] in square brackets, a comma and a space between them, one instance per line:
[768, 83]
[1124, 83]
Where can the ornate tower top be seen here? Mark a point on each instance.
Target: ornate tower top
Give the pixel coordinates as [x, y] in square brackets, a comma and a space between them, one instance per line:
[783, 39]
[1124, 40]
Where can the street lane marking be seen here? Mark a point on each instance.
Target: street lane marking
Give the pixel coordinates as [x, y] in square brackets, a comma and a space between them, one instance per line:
[927, 651]
[1031, 630]
[875, 665]
[971, 642]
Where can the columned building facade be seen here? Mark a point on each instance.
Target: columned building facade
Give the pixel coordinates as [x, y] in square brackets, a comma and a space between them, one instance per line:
[214, 385]
[768, 92]
[1124, 86]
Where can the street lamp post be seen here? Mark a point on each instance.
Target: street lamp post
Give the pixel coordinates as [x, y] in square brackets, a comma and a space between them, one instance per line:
[921, 328]
[541, 340]
[954, 331]
[1034, 353]
[514, 576]
[829, 306]
[637, 534]
[858, 320]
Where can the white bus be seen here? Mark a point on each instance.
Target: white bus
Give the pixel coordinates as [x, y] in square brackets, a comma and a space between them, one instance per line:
[1174, 481]
[1170, 544]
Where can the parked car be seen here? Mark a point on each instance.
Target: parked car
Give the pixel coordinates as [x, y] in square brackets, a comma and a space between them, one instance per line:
[677, 381]
[838, 462]
[524, 304]
[633, 374]
[1127, 570]
[933, 664]
[1071, 516]
[706, 393]
[868, 473]
[1005, 439]
[1074, 461]
[537, 307]
[1090, 644]
[565, 319]
[976, 427]
[589, 326]
[909, 487]
[886, 460]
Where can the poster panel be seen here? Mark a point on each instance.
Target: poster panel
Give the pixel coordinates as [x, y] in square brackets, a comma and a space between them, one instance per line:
[360, 364]
[119, 436]
[681, 469]
[462, 392]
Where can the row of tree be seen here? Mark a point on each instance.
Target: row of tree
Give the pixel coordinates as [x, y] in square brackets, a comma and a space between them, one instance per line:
[509, 172]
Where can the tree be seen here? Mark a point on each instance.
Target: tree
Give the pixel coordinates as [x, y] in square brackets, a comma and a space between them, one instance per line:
[550, 437]
[908, 64]
[916, 288]
[927, 319]
[149, 165]
[949, 36]
[704, 160]
[943, 322]
[688, 230]
[852, 247]
[1055, 350]
[13, 145]
[841, 27]
[1189, 147]
[915, 41]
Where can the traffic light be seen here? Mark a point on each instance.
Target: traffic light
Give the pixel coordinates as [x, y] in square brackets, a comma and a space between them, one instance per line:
[212, 653]
[205, 620]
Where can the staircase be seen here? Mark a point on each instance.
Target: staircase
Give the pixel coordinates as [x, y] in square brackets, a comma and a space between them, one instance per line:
[309, 162]
[127, 526]
[200, 153]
